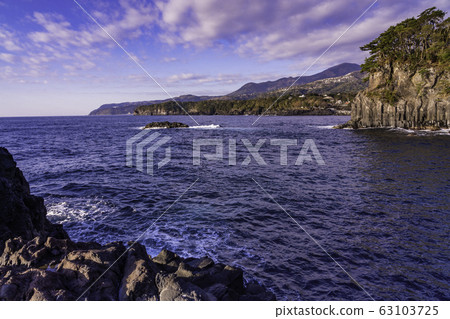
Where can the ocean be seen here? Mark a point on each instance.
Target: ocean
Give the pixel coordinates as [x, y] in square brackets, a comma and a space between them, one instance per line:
[377, 205]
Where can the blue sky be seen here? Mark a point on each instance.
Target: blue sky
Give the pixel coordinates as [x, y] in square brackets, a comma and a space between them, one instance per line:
[54, 60]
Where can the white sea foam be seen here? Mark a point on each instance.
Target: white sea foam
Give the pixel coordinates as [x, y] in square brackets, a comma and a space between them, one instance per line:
[206, 127]
[62, 212]
[422, 132]
[397, 129]
[92, 210]
[327, 127]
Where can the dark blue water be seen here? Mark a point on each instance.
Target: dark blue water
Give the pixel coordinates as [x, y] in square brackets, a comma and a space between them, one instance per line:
[379, 206]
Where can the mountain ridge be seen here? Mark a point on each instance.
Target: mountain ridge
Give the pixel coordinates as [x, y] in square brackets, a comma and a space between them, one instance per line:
[252, 88]
[247, 91]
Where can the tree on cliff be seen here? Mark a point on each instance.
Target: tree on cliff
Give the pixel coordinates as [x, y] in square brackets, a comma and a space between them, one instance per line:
[417, 42]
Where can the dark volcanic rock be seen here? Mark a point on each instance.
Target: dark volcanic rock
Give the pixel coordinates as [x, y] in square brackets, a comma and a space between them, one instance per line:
[32, 284]
[38, 261]
[98, 270]
[173, 288]
[167, 260]
[166, 124]
[138, 282]
[21, 214]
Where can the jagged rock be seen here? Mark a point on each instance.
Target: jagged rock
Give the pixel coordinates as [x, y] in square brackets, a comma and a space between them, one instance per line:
[228, 276]
[99, 269]
[38, 261]
[21, 214]
[399, 97]
[200, 263]
[173, 288]
[138, 281]
[32, 284]
[30, 254]
[167, 260]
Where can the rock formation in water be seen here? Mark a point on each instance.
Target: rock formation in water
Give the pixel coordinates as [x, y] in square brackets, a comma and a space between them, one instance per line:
[166, 124]
[409, 78]
[38, 260]
[399, 97]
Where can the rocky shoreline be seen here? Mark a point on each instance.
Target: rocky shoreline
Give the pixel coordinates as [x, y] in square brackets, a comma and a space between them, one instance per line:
[38, 260]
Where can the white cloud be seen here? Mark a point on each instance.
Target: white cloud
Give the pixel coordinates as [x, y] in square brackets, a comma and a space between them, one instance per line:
[7, 57]
[283, 29]
[169, 59]
[184, 77]
[267, 30]
[58, 31]
[9, 40]
[219, 79]
[78, 48]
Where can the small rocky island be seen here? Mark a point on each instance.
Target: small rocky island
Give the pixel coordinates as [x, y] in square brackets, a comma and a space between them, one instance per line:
[165, 124]
[409, 79]
[38, 260]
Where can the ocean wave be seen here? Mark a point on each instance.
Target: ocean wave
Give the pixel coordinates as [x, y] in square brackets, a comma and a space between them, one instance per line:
[421, 132]
[62, 212]
[206, 127]
[327, 127]
[82, 211]
[395, 129]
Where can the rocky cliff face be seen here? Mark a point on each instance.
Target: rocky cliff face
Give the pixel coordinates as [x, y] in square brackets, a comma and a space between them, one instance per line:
[398, 97]
[21, 214]
[38, 261]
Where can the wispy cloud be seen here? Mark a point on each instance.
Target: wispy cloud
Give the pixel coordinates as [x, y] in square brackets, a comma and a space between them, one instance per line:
[219, 79]
[9, 40]
[282, 29]
[73, 48]
[126, 23]
[7, 57]
[169, 59]
[267, 30]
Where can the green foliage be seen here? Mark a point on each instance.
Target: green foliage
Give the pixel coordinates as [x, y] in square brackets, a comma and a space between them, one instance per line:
[390, 96]
[424, 72]
[386, 95]
[416, 42]
[445, 85]
[419, 89]
[289, 104]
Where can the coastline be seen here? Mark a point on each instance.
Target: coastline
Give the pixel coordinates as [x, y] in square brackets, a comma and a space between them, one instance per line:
[40, 262]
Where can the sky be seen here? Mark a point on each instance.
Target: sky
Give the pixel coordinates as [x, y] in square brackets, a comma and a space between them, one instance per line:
[55, 60]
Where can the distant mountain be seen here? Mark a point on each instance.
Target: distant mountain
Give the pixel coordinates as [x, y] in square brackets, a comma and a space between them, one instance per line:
[349, 83]
[252, 89]
[129, 107]
[330, 96]
[118, 108]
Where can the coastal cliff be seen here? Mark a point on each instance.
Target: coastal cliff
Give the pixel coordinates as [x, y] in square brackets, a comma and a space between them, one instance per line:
[408, 73]
[38, 260]
[404, 98]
